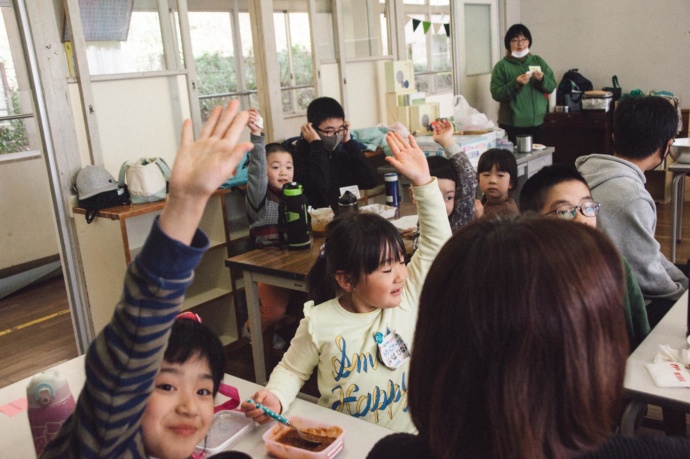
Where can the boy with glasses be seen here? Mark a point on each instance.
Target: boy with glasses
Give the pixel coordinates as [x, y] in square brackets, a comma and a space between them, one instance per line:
[327, 158]
[560, 191]
[643, 130]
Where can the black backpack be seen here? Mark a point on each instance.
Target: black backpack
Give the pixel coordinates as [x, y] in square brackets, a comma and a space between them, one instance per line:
[294, 220]
[571, 88]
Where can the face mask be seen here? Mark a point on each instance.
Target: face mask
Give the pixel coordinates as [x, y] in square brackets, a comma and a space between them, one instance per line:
[331, 142]
[520, 54]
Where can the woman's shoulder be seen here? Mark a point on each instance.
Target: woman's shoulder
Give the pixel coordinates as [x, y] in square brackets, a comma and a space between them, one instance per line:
[400, 445]
[642, 448]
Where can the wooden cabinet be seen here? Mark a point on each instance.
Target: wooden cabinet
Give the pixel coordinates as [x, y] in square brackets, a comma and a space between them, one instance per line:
[117, 234]
[578, 133]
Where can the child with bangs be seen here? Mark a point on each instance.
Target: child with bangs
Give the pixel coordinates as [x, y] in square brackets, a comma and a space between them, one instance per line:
[151, 374]
[358, 329]
[497, 176]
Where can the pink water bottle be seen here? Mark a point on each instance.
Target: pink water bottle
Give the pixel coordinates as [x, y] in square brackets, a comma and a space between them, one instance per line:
[50, 404]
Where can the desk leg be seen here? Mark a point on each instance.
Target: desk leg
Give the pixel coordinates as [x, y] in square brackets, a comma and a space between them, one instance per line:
[254, 312]
[674, 213]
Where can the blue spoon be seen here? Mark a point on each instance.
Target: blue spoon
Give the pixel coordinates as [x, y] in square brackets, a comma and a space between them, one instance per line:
[308, 437]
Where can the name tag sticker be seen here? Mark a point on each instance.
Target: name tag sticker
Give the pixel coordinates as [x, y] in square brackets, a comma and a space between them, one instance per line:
[392, 350]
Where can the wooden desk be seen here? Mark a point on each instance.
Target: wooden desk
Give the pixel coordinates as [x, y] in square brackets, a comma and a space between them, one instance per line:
[639, 386]
[360, 436]
[282, 268]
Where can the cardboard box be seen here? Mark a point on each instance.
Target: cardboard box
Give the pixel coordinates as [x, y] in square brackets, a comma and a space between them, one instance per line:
[421, 117]
[399, 76]
[400, 115]
[392, 101]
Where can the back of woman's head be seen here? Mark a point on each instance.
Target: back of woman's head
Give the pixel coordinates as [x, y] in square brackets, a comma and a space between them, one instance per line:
[504, 161]
[521, 336]
[191, 339]
[357, 243]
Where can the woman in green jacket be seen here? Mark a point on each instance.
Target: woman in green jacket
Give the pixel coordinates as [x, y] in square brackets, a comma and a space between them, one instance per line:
[521, 82]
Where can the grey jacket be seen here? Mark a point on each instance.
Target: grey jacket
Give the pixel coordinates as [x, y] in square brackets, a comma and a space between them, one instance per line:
[628, 216]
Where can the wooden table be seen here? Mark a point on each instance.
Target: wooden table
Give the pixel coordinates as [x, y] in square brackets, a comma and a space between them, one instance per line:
[282, 268]
[360, 436]
[639, 386]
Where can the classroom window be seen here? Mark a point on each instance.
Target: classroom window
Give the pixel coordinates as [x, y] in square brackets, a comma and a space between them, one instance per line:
[478, 39]
[224, 59]
[428, 44]
[18, 131]
[140, 51]
[365, 29]
[293, 45]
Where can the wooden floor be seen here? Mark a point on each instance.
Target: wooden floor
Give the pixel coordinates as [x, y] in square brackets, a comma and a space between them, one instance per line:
[36, 331]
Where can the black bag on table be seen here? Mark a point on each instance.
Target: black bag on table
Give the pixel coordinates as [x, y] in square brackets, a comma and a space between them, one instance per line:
[571, 88]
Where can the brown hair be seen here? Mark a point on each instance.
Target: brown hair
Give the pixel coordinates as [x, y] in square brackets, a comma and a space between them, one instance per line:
[520, 345]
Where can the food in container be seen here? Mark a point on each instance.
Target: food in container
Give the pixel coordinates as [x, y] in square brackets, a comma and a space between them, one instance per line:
[284, 442]
[381, 209]
[320, 218]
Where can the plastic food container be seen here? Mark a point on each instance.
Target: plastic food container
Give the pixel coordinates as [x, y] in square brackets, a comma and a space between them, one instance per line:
[320, 218]
[228, 427]
[282, 451]
[381, 209]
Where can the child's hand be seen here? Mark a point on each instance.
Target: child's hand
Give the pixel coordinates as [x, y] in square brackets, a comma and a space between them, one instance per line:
[443, 133]
[309, 133]
[200, 167]
[251, 123]
[267, 399]
[478, 209]
[347, 136]
[408, 159]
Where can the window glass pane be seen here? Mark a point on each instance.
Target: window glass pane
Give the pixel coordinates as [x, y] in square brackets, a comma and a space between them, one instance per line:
[141, 52]
[301, 48]
[279, 20]
[439, 2]
[19, 134]
[214, 57]
[440, 43]
[416, 44]
[323, 30]
[247, 53]
[414, 2]
[478, 39]
[362, 31]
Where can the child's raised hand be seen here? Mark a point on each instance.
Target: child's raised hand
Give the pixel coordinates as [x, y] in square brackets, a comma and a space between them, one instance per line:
[200, 167]
[408, 159]
[252, 121]
[267, 399]
[443, 132]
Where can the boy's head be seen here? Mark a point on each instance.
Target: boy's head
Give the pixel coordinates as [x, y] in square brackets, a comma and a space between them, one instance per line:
[322, 109]
[642, 126]
[559, 190]
[179, 411]
[279, 166]
[443, 170]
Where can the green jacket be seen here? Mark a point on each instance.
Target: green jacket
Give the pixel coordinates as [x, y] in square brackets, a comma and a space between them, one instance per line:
[521, 106]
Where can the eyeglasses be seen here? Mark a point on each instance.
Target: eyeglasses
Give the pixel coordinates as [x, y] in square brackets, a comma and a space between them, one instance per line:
[515, 41]
[331, 132]
[568, 212]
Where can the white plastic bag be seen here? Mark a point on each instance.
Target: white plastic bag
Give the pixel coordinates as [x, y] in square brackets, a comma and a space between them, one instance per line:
[468, 118]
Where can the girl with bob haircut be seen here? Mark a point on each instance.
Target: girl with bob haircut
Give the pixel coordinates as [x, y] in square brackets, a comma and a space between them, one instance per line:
[364, 310]
[497, 176]
[520, 348]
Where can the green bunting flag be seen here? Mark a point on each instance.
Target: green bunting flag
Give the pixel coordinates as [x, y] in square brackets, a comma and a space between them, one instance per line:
[427, 25]
[415, 24]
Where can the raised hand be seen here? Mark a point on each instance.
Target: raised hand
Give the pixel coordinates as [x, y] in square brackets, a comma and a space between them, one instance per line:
[252, 121]
[443, 132]
[200, 167]
[408, 159]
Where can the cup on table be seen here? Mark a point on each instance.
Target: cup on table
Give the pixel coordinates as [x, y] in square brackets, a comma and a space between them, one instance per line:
[320, 218]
